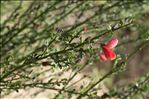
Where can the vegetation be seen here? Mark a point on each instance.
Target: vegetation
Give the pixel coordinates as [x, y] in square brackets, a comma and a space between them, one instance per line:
[53, 46]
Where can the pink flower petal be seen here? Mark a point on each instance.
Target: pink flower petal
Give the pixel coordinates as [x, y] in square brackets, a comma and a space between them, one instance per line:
[109, 54]
[102, 57]
[112, 43]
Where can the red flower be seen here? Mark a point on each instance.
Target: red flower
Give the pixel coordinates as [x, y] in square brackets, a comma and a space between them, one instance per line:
[108, 54]
[112, 43]
[102, 57]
